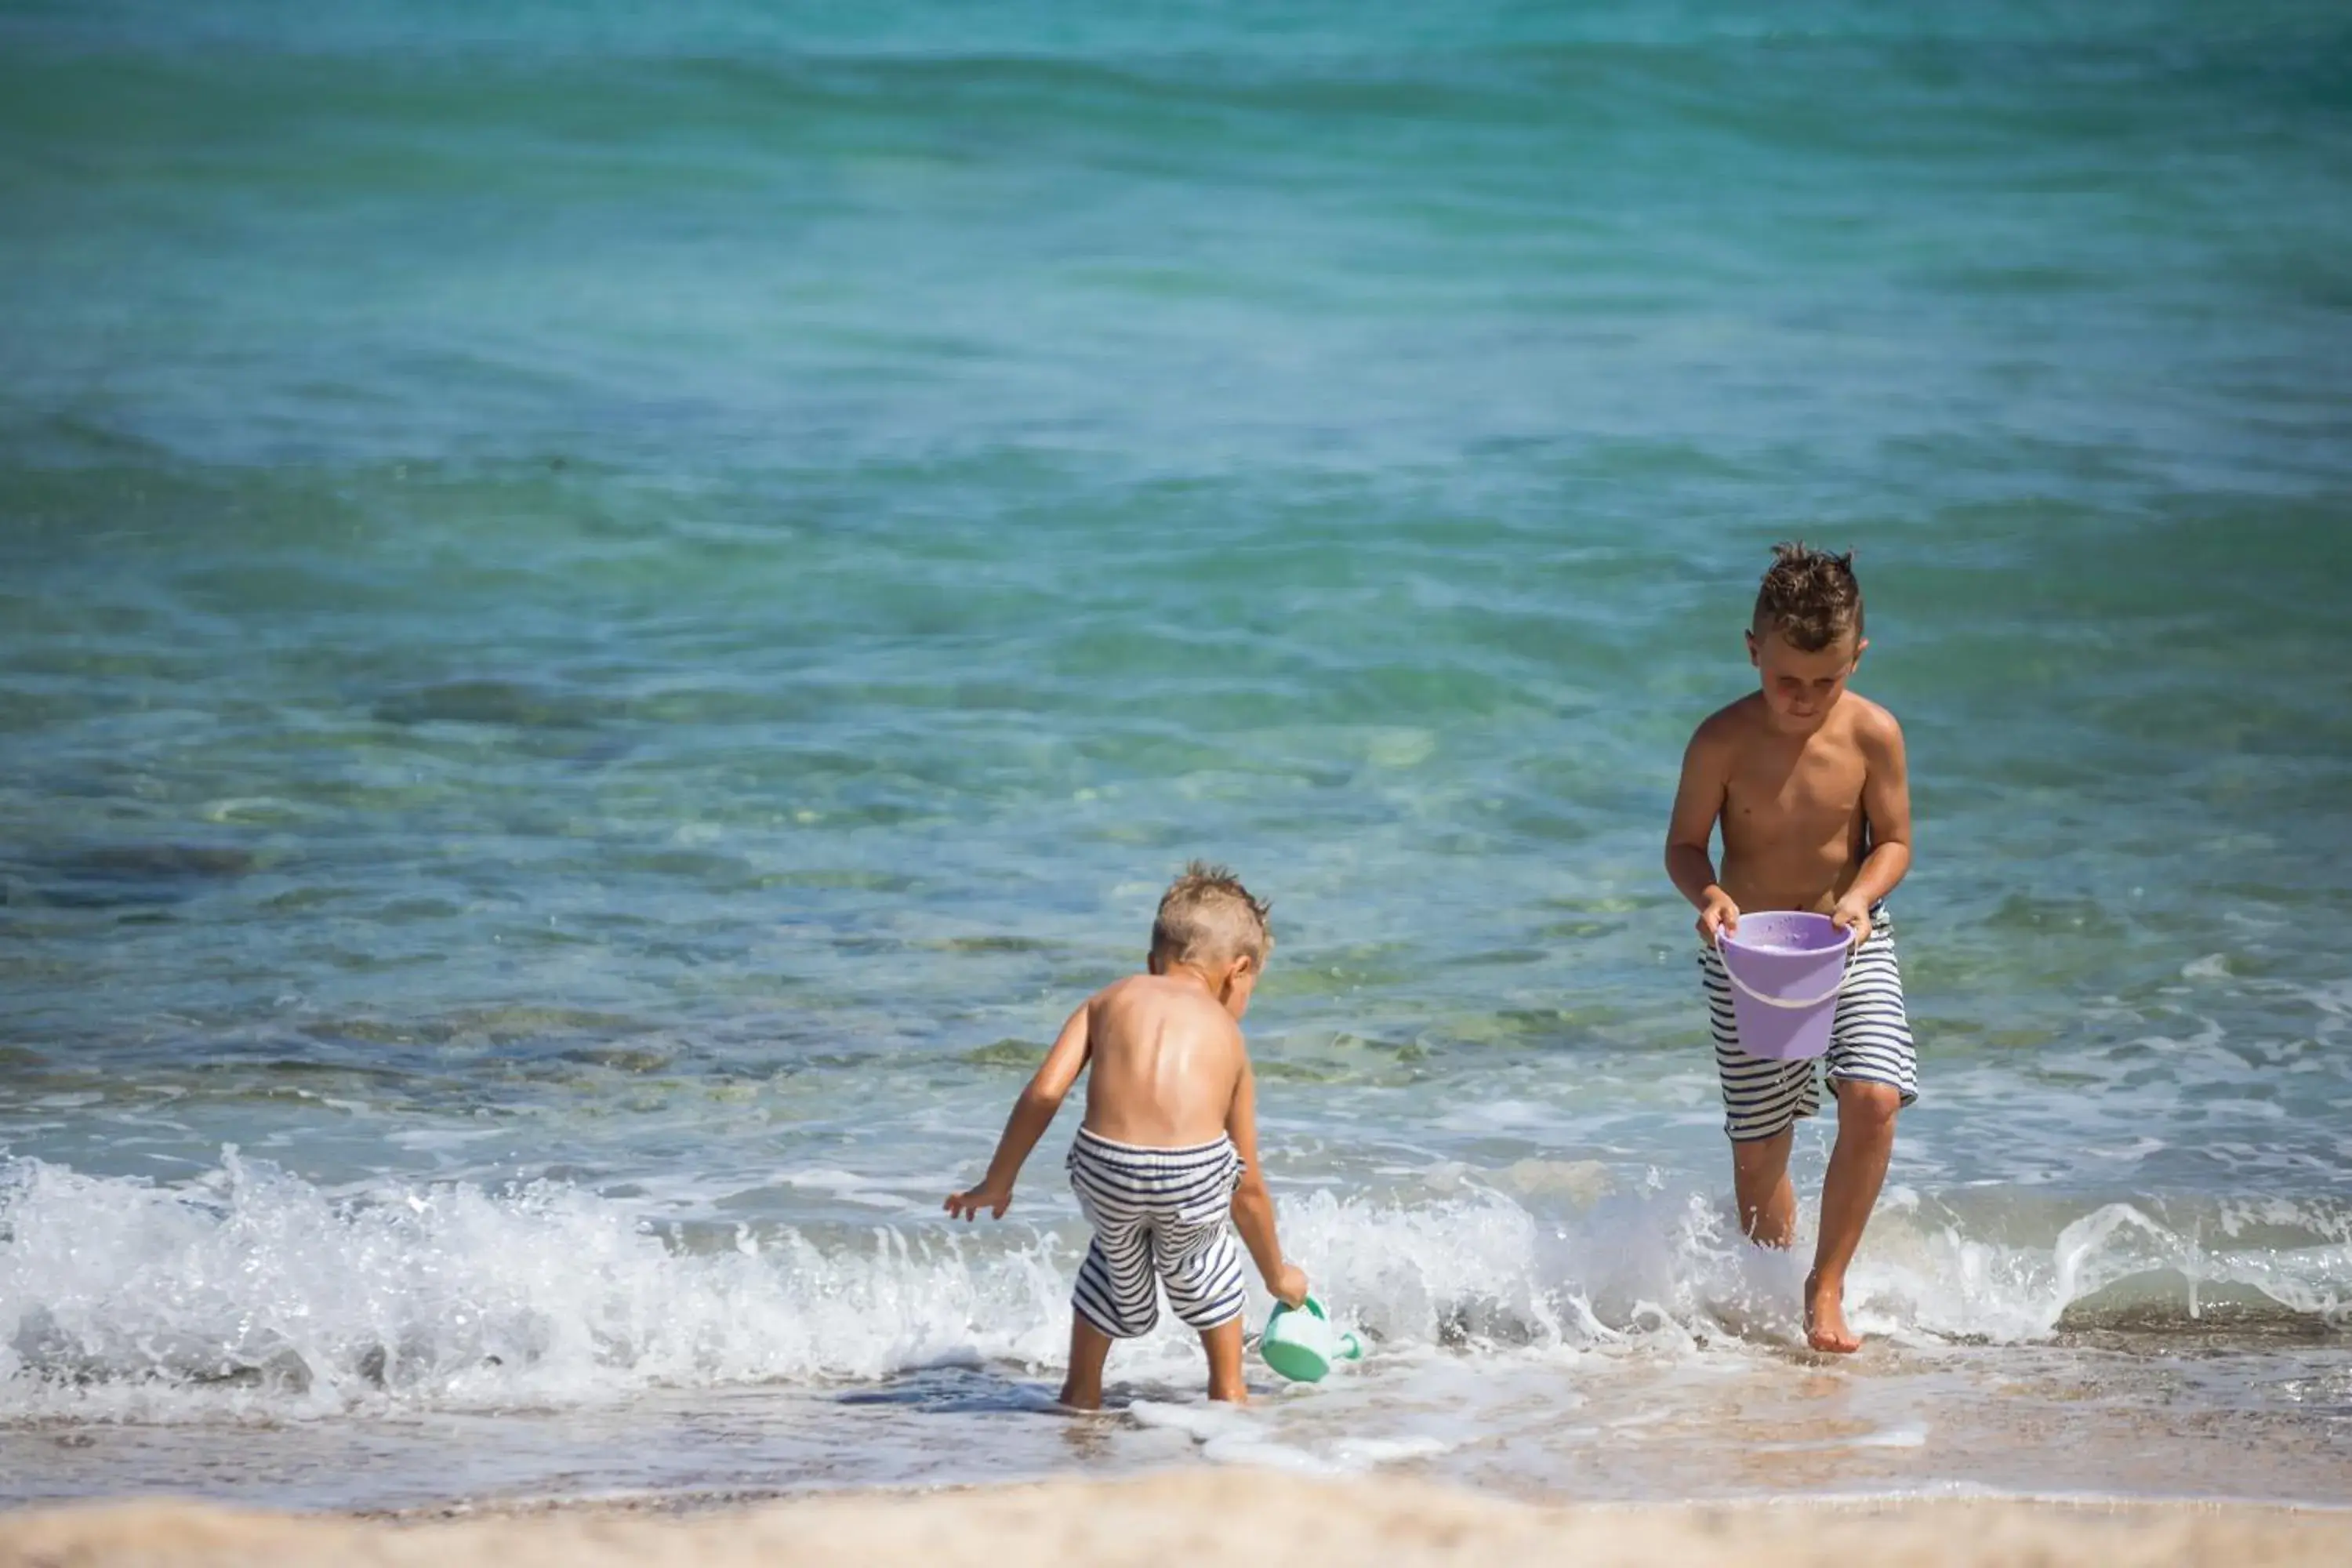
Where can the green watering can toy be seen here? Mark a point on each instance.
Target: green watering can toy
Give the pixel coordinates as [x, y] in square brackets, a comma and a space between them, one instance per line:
[1301, 1343]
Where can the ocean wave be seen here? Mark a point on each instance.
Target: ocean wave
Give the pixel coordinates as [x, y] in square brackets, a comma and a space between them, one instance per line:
[252, 1290]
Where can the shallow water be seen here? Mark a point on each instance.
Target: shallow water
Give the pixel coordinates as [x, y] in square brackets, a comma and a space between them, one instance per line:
[602, 625]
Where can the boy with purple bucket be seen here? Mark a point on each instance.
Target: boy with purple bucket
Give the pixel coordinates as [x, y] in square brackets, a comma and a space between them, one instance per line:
[1809, 784]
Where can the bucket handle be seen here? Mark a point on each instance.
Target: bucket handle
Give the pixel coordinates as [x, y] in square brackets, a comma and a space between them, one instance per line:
[1845, 973]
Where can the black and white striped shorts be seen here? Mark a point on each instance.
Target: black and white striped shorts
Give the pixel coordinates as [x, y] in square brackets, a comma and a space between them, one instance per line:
[1870, 1042]
[1156, 1212]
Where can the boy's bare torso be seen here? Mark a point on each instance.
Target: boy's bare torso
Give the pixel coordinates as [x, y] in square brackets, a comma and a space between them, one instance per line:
[1795, 831]
[1165, 1061]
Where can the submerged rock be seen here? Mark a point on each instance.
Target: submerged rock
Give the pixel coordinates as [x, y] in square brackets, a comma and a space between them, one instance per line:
[514, 704]
[118, 875]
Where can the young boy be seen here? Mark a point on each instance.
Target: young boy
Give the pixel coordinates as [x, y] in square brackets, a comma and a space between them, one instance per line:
[1169, 1140]
[1809, 782]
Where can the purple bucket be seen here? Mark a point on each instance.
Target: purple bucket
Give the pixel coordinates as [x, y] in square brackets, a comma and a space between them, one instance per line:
[1787, 968]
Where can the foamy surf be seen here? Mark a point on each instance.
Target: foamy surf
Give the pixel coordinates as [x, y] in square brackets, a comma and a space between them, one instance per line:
[251, 1291]
[1228, 1436]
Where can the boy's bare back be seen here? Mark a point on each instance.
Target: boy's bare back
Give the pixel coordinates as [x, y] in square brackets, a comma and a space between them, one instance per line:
[1169, 1149]
[1166, 1059]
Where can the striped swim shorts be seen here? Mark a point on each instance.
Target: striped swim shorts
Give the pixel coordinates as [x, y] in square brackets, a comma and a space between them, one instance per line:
[1870, 1042]
[1157, 1213]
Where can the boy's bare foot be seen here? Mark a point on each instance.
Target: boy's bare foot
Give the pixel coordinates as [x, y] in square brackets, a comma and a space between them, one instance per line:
[1825, 1327]
[1090, 1348]
[1082, 1391]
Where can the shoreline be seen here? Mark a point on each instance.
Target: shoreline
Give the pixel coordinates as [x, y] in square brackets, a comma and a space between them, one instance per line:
[689, 1503]
[1177, 1517]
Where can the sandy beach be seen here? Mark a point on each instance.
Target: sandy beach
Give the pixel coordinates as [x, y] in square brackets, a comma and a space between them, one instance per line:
[1237, 1515]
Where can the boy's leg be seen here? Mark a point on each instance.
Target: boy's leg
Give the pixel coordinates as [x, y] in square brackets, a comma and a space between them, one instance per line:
[1865, 1141]
[1874, 1067]
[1767, 1199]
[1113, 1293]
[1082, 1390]
[1224, 1344]
[1201, 1269]
[1763, 1098]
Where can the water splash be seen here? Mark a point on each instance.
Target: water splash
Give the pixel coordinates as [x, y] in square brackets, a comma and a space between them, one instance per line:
[251, 1289]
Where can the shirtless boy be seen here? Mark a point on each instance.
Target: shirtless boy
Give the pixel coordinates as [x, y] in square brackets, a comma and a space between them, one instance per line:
[1168, 1145]
[1809, 782]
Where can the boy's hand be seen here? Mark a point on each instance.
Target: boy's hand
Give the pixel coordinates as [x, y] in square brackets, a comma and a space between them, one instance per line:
[1290, 1289]
[967, 1205]
[1853, 915]
[1717, 914]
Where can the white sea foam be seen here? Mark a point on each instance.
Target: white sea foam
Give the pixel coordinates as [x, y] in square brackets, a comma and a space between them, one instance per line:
[1245, 1437]
[256, 1287]
[253, 1290]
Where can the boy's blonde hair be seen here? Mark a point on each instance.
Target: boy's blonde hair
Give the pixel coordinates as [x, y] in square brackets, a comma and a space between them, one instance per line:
[1208, 917]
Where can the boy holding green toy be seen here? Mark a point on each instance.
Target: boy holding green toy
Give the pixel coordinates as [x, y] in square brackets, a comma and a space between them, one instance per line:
[1168, 1146]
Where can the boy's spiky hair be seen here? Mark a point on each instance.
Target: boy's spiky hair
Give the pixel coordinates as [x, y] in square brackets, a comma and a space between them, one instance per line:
[1208, 917]
[1810, 597]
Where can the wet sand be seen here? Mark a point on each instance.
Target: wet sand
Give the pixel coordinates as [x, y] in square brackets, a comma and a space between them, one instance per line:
[1193, 1517]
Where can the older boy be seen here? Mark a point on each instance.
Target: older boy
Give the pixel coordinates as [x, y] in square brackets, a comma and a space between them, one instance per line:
[1170, 1141]
[1809, 782]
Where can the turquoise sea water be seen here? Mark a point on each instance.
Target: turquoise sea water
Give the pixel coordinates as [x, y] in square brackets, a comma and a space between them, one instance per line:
[606, 617]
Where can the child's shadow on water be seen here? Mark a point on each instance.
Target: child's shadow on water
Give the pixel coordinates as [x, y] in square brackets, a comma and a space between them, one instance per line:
[957, 1390]
[964, 1389]
[977, 1390]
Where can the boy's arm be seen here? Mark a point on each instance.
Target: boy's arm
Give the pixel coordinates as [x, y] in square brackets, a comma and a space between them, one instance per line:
[1031, 1114]
[1698, 801]
[1886, 807]
[1253, 1204]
